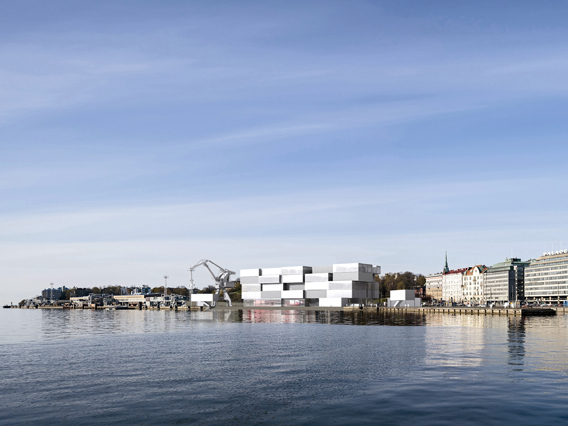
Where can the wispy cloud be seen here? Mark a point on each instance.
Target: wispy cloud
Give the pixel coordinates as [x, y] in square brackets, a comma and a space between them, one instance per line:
[132, 140]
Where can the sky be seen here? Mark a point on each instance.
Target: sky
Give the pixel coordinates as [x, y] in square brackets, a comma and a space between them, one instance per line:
[138, 137]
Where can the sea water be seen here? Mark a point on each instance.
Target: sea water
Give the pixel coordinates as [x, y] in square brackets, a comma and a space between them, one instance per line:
[85, 367]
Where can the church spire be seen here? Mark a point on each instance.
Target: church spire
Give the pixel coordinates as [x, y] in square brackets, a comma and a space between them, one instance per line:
[446, 269]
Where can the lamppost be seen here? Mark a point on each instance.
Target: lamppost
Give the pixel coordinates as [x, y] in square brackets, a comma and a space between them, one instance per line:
[166, 286]
[51, 296]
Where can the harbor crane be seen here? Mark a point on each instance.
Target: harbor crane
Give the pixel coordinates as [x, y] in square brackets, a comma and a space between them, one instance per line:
[221, 278]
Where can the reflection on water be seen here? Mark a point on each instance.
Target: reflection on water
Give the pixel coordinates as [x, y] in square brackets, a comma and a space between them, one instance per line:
[30, 325]
[356, 317]
[516, 340]
[280, 367]
[448, 340]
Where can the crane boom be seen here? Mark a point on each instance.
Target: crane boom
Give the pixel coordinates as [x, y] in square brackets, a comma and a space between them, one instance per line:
[221, 279]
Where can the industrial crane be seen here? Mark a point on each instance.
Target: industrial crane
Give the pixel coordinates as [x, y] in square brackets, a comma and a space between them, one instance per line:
[221, 279]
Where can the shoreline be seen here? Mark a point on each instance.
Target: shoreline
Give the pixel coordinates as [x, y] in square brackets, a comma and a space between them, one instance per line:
[551, 311]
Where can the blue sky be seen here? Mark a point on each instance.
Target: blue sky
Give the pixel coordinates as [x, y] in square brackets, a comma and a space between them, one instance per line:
[139, 137]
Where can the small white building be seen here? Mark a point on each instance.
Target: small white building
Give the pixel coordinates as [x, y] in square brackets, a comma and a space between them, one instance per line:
[208, 298]
[403, 299]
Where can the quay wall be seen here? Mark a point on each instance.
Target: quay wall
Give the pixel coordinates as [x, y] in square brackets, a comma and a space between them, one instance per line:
[424, 309]
[458, 311]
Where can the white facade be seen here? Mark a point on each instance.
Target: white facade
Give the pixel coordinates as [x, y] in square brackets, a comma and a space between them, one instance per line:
[403, 299]
[473, 284]
[452, 282]
[326, 286]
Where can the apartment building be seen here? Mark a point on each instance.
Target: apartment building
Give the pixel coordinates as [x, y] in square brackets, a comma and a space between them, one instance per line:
[434, 286]
[473, 284]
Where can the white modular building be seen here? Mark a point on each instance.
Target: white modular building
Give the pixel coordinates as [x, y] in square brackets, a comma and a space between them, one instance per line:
[326, 286]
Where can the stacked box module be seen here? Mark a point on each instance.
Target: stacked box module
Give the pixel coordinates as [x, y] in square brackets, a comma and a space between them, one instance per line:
[326, 286]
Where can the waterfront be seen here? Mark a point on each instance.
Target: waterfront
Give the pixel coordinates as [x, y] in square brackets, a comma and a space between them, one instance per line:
[282, 367]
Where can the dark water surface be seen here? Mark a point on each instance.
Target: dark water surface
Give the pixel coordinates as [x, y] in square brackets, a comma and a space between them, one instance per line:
[280, 367]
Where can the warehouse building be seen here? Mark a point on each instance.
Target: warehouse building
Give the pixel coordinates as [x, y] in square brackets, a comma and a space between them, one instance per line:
[325, 286]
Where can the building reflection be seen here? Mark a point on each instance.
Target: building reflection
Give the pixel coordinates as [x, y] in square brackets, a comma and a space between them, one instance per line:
[546, 344]
[457, 341]
[355, 317]
[450, 341]
[516, 342]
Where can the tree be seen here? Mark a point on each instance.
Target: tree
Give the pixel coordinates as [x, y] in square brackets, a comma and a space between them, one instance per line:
[235, 293]
[400, 281]
[210, 289]
[65, 295]
[182, 291]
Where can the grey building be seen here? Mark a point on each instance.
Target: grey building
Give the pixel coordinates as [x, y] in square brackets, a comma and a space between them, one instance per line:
[80, 292]
[332, 286]
[546, 278]
[53, 293]
[505, 281]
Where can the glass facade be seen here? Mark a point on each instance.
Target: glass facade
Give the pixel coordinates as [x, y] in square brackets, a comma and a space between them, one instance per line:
[546, 279]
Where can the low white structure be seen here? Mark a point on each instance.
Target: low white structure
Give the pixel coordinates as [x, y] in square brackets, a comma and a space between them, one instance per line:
[403, 299]
[204, 297]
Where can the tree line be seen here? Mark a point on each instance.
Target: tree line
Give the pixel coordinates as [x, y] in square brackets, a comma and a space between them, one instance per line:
[234, 293]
